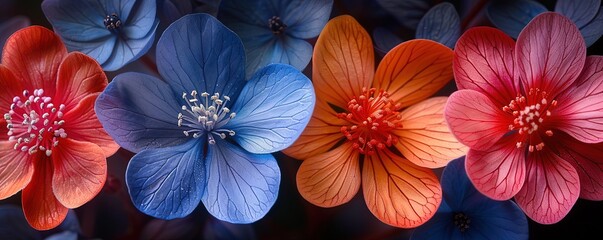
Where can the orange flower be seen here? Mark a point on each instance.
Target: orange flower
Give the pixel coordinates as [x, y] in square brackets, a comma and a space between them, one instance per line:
[384, 119]
[53, 147]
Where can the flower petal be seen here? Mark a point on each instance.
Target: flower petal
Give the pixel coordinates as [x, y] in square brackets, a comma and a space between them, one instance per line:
[100, 49]
[414, 70]
[273, 109]
[10, 26]
[306, 18]
[502, 219]
[512, 16]
[580, 12]
[241, 186]
[139, 111]
[439, 226]
[79, 76]
[287, 50]
[11, 87]
[141, 20]
[16, 169]
[593, 30]
[127, 50]
[407, 12]
[551, 189]
[550, 53]
[484, 62]
[209, 59]
[167, 183]
[34, 54]
[77, 21]
[474, 120]
[441, 24]
[332, 178]
[343, 61]
[42, 209]
[80, 171]
[385, 40]
[398, 192]
[425, 138]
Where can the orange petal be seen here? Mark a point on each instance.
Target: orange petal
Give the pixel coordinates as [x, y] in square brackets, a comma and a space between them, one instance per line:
[79, 76]
[425, 138]
[414, 70]
[343, 61]
[330, 179]
[42, 209]
[80, 171]
[34, 54]
[16, 169]
[81, 124]
[398, 192]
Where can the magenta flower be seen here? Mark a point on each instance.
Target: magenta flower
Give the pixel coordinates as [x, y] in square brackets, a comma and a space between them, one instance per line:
[532, 114]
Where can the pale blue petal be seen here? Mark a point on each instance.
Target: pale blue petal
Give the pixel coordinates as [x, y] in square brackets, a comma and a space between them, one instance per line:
[141, 21]
[77, 21]
[128, 50]
[10, 26]
[407, 12]
[167, 183]
[273, 109]
[306, 18]
[100, 49]
[241, 186]
[581, 12]
[286, 50]
[139, 111]
[385, 40]
[441, 24]
[198, 53]
[512, 16]
[594, 29]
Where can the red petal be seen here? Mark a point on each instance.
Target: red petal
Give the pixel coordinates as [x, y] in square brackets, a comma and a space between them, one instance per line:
[551, 188]
[16, 169]
[483, 61]
[11, 87]
[79, 76]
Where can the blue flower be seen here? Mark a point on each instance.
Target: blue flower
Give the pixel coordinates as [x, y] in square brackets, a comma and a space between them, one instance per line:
[467, 214]
[512, 16]
[275, 31]
[114, 32]
[204, 133]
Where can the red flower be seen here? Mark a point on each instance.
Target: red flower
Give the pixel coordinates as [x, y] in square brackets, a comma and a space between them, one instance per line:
[53, 147]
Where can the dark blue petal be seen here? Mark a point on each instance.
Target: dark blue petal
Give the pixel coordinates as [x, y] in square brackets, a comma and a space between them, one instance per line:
[441, 24]
[306, 18]
[407, 12]
[512, 16]
[198, 53]
[241, 186]
[385, 40]
[440, 226]
[10, 26]
[167, 183]
[66, 235]
[141, 21]
[273, 109]
[456, 187]
[594, 29]
[503, 219]
[71, 223]
[581, 12]
[255, 13]
[139, 111]
[76, 20]
[13, 224]
[207, 6]
[169, 11]
[128, 50]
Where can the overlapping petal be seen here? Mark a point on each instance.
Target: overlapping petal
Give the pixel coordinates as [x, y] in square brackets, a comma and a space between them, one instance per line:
[594, 29]
[306, 18]
[11, 87]
[16, 169]
[512, 16]
[441, 24]
[8, 27]
[287, 50]
[78, 77]
[42, 209]
[580, 12]
[407, 12]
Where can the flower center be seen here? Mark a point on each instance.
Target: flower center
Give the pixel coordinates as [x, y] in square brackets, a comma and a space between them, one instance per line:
[205, 115]
[372, 119]
[34, 123]
[112, 22]
[276, 25]
[461, 221]
[530, 113]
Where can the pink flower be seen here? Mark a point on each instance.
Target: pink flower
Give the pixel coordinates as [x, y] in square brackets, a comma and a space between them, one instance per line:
[532, 114]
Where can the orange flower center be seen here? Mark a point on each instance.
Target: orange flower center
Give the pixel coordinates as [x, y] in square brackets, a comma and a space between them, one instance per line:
[530, 113]
[35, 123]
[372, 119]
[205, 115]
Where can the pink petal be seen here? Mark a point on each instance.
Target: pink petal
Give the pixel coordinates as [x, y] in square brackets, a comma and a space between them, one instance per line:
[483, 61]
[16, 169]
[498, 172]
[550, 53]
[551, 188]
[474, 119]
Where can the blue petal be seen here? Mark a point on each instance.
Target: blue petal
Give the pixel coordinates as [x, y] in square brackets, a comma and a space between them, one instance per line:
[71, 223]
[385, 40]
[512, 16]
[139, 111]
[76, 20]
[306, 18]
[581, 12]
[407, 12]
[456, 186]
[169, 11]
[254, 13]
[286, 50]
[440, 226]
[198, 53]
[594, 29]
[503, 219]
[441, 24]
[241, 186]
[273, 109]
[167, 183]
[13, 224]
[141, 21]
[10, 26]
[99, 49]
[128, 50]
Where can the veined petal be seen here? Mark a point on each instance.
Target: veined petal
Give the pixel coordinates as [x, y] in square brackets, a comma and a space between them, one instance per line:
[128, 50]
[414, 70]
[80, 171]
[79, 76]
[76, 20]
[441, 24]
[273, 109]
[99, 49]
[594, 29]
[425, 138]
[385, 40]
[241, 186]
[484, 62]
[10, 26]
[505, 220]
[498, 172]
[551, 189]
[286, 50]
[474, 119]
[550, 53]
[42, 209]
[580, 12]
[34, 54]
[512, 16]
[139, 111]
[398, 192]
[306, 18]
[209, 59]
[343, 61]
[141, 19]
[11, 87]
[167, 183]
[16, 169]
[332, 178]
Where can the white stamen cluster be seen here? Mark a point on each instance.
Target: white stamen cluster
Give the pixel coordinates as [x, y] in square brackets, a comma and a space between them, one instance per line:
[205, 114]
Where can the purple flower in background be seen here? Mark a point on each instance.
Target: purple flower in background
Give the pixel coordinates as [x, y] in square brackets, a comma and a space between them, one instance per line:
[204, 133]
[275, 31]
[114, 32]
[467, 214]
[10, 26]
